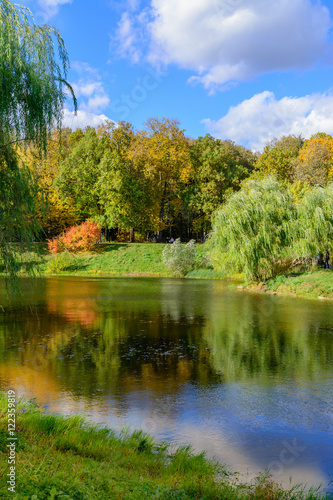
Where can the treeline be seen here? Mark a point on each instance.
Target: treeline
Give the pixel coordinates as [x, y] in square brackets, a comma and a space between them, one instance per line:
[157, 182]
[150, 183]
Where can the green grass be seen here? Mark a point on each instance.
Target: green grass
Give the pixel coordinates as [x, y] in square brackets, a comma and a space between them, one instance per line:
[312, 284]
[145, 259]
[61, 457]
[111, 259]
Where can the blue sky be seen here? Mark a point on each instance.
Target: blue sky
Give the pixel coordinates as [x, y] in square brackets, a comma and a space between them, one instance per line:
[245, 70]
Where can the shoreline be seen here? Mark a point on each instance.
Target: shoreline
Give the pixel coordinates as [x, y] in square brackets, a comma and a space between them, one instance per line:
[67, 456]
[144, 260]
[309, 285]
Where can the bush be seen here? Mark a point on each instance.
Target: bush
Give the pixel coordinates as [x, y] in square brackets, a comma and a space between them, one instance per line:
[76, 238]
[60, 263]
[178, 258]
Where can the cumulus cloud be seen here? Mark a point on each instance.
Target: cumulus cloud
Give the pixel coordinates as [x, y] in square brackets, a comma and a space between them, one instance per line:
[82, 119]
[259, 119]
[227, 40]
[89, 88]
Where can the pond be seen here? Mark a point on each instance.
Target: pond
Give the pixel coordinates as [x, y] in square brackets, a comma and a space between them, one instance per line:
[247, 377]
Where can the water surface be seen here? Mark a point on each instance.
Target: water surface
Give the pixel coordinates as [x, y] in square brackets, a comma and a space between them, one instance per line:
[246, 377]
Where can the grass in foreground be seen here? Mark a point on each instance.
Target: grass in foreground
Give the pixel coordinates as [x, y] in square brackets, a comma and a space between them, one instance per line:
[66, 458]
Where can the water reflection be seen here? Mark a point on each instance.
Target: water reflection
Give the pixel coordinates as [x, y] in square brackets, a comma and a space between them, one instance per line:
[243, 375]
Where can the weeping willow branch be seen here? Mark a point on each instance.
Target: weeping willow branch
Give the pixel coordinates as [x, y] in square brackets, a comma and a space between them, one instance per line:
[33, 73]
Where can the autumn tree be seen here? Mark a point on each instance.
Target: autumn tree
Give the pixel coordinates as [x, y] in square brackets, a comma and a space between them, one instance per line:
[33, 69]
[162, 152]
[53, 213]
[314, 164]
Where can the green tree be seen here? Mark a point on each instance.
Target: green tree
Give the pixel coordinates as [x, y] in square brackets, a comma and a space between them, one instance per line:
[219, 169]
[279, 157]
[314, 229]
[254, 228]
[102, 181]
[124, 190]
[33, 70]
[80, 170]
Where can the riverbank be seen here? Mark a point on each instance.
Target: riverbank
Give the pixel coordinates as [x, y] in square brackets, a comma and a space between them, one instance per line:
[312, 285]
[65, 457]
[145, 260]
[112, 259]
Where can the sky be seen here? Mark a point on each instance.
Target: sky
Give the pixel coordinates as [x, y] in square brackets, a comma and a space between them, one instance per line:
[244, 70]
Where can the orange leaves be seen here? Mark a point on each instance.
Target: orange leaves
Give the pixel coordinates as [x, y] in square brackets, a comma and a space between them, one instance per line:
[76, 238]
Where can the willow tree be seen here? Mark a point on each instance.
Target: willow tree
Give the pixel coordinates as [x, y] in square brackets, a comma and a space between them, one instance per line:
[33, 72]
[314, 229]
[254, 229]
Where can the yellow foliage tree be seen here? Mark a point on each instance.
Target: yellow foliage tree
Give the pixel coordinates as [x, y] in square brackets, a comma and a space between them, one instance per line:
[54, 214]
[163, 152]
[315, 161]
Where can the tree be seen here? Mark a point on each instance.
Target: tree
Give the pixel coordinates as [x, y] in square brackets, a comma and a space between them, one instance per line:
[102, 181]
[124, 190]
[33, 70]
[278, 158]
[79, 172]
[254, 228]
[53, 213]
[219, 169]
[162, 152]
[315, 161]
[314, 229]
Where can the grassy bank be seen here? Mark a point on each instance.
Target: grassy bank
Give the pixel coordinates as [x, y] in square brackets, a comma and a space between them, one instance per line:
[314, 284]
[114, 259]
[64, 457]
[145, 259]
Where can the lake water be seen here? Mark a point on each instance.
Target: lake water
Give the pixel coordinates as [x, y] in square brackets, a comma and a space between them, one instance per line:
[247, 377]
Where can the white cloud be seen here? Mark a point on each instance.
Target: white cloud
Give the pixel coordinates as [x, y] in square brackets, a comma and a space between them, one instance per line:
[89, 88]
[257, 120]
[227, 40]
[131, 34]
[82, 119]
[48, 9]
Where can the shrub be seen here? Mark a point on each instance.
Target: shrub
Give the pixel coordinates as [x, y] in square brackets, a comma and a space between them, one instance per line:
[179, 258]
[60, 263]
[76, 238]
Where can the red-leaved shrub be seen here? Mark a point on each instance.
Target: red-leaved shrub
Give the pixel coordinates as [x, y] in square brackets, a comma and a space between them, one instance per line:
[76, 238]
